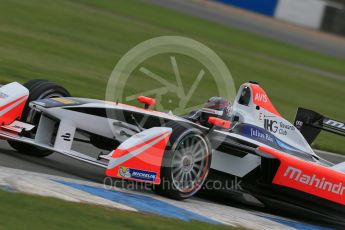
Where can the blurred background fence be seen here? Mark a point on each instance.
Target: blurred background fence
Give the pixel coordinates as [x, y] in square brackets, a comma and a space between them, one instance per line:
[323, 15]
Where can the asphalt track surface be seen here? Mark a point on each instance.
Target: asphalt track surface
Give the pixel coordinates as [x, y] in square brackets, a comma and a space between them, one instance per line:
[59, 165]
[55, 164]
[261, 25]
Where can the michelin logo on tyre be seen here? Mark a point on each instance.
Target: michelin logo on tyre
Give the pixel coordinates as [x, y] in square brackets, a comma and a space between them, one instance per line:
[130, 173]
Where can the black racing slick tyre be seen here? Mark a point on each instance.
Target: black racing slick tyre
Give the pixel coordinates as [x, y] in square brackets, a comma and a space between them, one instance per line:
[39, 89]
[186, 162]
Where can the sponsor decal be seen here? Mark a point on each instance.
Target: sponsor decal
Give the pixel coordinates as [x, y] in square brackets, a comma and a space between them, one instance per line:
[277, 127]
[299, 124]
[124, 172]
[64, 101]
[308, 177]
[48, 102]
[55, 102]
[261, 97]
[265, 137]
[258, 134]
[335, 124]
[262, 116]
[131, 173]
[314, 181]
[3, 95]
[66, 137]
[271, 125]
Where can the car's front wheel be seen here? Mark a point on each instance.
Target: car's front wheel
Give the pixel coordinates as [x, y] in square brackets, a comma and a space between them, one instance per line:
[186, 162]
[39, 89]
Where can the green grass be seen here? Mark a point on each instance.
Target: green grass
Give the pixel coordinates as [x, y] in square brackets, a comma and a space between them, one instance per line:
[78, 42]
[18, 211]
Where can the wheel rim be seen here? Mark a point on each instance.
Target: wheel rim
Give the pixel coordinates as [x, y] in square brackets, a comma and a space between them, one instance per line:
[190, 163]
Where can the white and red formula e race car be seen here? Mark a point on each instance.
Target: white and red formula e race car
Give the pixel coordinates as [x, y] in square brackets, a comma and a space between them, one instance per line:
[247, 139]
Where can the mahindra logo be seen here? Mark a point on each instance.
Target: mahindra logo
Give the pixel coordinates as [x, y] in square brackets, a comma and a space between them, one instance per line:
[313, 181]
[336, 124]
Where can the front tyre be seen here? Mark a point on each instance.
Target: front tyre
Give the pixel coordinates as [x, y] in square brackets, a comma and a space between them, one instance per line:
[39, 89]
[186, 163]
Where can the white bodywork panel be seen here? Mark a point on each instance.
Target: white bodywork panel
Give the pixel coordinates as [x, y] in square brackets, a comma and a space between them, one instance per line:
[339, 167]
[71, 153]
[237, 166]
[144, 136]
[12, 92]
[281, 128]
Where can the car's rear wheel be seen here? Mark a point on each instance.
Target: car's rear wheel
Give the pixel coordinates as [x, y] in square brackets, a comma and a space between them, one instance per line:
[186, 162]
[39, 89]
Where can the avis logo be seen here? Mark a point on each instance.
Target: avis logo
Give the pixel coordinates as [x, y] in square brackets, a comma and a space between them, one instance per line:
[261, 97]
[313, 181]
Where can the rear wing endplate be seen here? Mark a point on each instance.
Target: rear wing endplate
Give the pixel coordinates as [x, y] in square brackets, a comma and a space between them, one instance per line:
[311, 123]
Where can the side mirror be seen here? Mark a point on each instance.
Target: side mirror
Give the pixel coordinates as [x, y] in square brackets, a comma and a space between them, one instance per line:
[219, 122]
[147, 101]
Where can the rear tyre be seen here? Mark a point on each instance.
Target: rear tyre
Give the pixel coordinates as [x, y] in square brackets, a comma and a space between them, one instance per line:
[186, 162]
[39, 89]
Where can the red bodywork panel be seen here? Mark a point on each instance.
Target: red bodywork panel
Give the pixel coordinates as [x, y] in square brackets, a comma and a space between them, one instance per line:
[143, 167]
[14, 113]
[219, 122]
[261, 99]
[147, 100]
[308, 177]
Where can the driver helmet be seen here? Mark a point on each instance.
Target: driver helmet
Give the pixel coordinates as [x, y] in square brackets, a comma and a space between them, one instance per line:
[215, 107]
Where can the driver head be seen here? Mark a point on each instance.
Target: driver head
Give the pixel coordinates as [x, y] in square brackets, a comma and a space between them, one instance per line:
[215, 107]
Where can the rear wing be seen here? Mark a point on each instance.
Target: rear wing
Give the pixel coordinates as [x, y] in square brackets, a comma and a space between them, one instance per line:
[311, 123]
